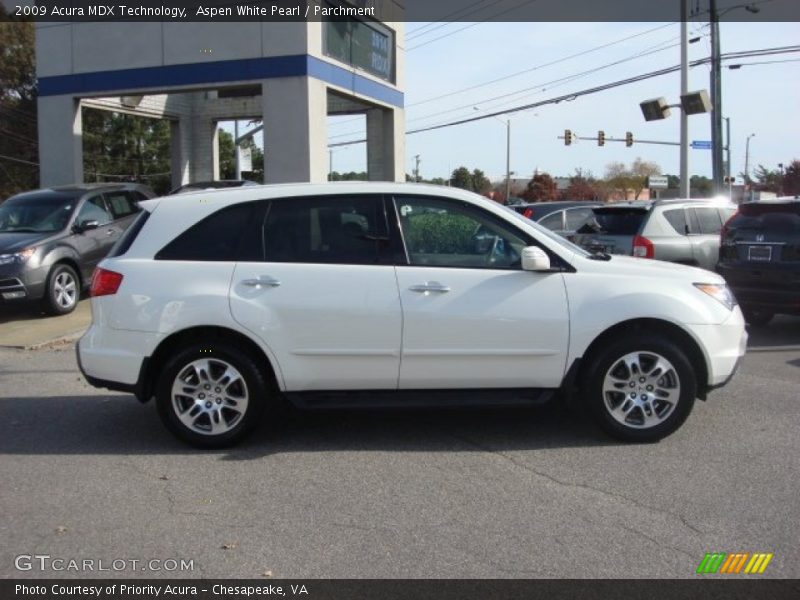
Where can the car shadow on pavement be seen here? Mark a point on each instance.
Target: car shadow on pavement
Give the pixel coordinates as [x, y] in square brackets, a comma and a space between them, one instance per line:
[119, 424]
[783, 330]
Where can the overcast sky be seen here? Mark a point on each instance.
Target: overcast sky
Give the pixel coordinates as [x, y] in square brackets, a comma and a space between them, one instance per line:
[760, 99]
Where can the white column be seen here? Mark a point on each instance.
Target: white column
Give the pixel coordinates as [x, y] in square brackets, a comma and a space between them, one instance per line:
[295, 113]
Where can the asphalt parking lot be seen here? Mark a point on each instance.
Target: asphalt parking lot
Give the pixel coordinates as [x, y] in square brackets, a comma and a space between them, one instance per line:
[89, 474]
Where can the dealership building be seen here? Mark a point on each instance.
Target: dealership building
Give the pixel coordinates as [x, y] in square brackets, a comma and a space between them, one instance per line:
[289, 75]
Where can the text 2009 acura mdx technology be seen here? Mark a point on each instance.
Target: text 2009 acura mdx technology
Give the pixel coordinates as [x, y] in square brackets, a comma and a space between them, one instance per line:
[217, 302]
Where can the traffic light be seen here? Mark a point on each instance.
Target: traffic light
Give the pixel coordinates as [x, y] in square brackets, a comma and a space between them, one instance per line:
[628, 139]
[601, 138]
[567, 137]
[730, 179]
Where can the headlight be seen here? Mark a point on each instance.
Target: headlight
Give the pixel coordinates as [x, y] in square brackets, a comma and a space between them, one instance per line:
[17, 257]
[720, 292]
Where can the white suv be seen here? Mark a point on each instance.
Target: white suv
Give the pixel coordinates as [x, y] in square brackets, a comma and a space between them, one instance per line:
[217, 303]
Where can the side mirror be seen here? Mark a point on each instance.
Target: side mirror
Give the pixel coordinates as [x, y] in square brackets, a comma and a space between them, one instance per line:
[535, 259]
[86, 226]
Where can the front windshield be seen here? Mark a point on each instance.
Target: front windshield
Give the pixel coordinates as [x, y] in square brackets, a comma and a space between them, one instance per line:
[566, 244]
[35, 214]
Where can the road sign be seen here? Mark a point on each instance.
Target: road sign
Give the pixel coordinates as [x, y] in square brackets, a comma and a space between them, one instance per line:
[701, 144]
[657, 182]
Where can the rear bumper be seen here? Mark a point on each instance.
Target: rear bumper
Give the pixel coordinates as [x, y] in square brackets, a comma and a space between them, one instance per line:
[115, 359]
[777, 290]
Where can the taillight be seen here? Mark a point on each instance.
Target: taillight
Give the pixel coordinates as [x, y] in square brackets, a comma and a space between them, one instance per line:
[725, 228]
[104, 282]
[528, 213]
[643, 248]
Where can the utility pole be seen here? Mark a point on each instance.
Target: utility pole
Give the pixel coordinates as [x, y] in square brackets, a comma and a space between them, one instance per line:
[508, 160]
[416, 168]
[685, 190]
[716, 100]
[236, 155]
[728, 145]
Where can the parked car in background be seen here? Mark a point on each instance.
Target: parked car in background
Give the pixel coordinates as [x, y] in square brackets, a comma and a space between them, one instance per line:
[391, 294]
[211, 185]
[536, 211]
[680, 231]
[759, 257]
[52, 239]
[566, 221]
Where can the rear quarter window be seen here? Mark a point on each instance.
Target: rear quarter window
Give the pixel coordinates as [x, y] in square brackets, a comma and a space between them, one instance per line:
[676, 217]
[611, 221]
[218, 237]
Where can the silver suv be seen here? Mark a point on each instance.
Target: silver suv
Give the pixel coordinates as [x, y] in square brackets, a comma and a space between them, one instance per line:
[680, 231]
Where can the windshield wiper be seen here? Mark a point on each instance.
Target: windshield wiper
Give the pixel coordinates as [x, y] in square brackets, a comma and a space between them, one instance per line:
[20, 230]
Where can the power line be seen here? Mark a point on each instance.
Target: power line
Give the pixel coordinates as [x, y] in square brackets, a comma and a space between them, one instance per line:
[574, 95]
[537, 67]
[500, 14]
[445, 21]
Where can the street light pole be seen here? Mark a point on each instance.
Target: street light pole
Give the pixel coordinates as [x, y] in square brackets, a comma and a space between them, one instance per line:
[684, 154]
[747, 158]
[728, 145]
[716, 100]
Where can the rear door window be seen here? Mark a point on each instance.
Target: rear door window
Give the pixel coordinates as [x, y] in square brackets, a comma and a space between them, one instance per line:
[709, 221]
[326, 230]
[121, 204]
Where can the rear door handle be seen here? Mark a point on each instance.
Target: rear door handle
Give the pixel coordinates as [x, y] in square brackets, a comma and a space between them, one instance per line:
[430, 286]
[263, 281]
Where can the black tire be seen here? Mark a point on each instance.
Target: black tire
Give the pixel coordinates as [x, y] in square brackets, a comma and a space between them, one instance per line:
[757, 317]
[62, 290]
[217, 355]
[607, 361]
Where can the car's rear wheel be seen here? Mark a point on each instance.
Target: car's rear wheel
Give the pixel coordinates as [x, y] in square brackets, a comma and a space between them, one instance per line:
[757, 317]
[211, 395]
[62, 291]
[640, 388]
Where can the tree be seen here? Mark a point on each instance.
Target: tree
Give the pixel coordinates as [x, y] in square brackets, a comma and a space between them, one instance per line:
[227, 158]
[623, 181]
[122, 147]
[541, 188]
[791, 179]
[701, 186]
[767, 180]
[462, 178]
[480, 183]
[19, 150]
[582, 186]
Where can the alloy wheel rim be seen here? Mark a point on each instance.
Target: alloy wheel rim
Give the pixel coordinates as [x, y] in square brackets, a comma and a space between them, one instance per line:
[641, 390]
[209, 396]
[65, 289]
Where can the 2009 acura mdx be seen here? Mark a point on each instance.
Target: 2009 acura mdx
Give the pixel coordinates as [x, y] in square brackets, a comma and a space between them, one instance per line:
[217, 302]
[52, 239]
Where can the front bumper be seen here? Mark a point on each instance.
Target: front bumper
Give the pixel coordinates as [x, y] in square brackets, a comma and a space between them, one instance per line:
[18, 283]
[723, 345]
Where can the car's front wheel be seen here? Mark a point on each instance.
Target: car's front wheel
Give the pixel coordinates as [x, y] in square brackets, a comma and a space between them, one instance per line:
[640, 388]
[62, 291]
[211, 395]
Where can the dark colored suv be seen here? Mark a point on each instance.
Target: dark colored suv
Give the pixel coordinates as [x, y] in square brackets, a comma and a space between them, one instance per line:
[759, 257]
[51, 239]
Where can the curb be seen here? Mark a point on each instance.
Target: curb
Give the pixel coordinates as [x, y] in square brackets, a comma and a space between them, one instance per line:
[62, 340]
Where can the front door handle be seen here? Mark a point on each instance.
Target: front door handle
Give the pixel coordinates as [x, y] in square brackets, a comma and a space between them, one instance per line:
[263, 281]
[430, 286]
